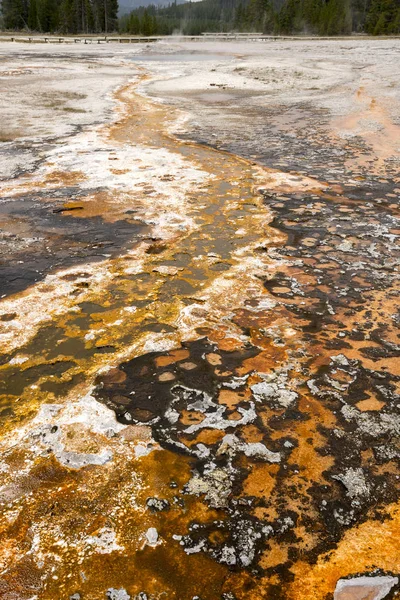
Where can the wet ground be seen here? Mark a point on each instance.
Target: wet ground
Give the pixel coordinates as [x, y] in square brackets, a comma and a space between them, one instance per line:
[200, 373]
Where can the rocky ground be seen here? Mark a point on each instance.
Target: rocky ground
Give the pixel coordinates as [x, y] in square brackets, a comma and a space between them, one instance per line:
[199, 321]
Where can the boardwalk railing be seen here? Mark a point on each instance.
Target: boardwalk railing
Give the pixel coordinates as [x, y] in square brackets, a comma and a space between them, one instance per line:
[205, 37]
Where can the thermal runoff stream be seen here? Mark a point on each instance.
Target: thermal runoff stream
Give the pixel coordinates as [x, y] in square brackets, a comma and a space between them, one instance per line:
[199, 377]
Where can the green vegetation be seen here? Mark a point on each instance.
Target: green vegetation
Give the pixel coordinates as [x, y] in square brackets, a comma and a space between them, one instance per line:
[320, 17]
[64, 16]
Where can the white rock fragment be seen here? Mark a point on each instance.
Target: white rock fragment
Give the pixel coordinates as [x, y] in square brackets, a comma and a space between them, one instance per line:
[360, 588]
[345, 247]
[312, 387]
[114, 594]
[130, 309]
[152, 538]
[195, 549]
[355, 483]
[172, 415]
[166, 270]
[90, 336]
[18, 360]
[230, 444]
[264, 391]
[202, 451]
[340, 359]
[228, 555]
[235, 382]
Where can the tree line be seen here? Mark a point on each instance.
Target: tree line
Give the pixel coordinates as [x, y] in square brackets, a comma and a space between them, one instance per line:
[280, 17]
[320, 17]
[61, 16]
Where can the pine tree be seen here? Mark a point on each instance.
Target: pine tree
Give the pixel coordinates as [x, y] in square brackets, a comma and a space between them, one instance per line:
[383, 17]
[47, 15]
[15, 14]
[146, 24]
[134, 24]
[32, 16]
[238, 22]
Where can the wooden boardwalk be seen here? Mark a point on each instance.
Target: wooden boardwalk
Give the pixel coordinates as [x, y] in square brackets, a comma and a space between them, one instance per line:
[205, 37]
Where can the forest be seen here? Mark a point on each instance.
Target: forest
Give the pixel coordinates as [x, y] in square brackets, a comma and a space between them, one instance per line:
[280, 17]
[61, 16]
